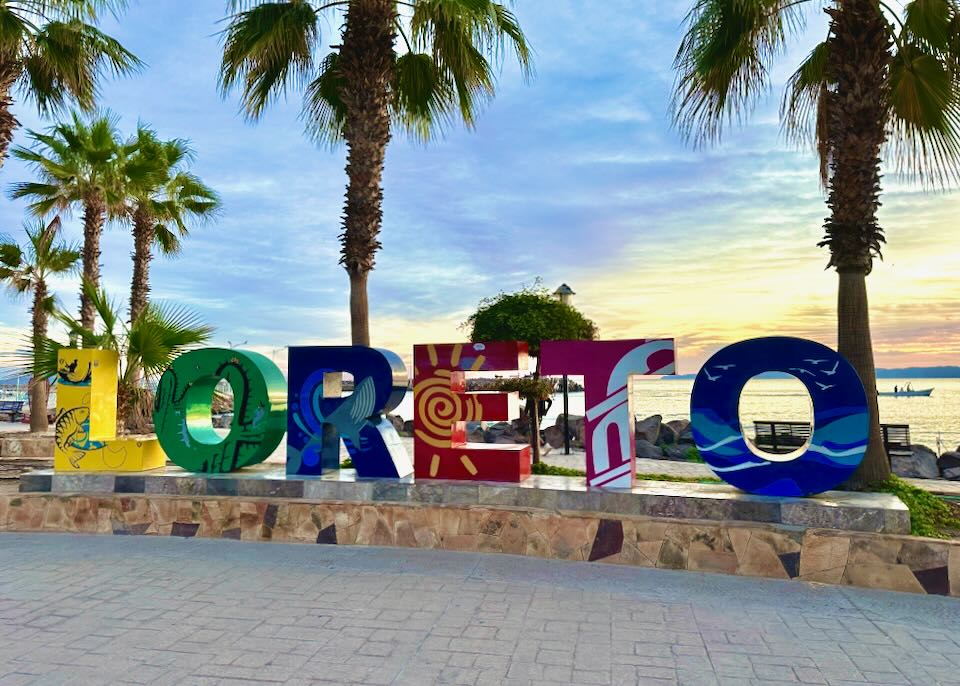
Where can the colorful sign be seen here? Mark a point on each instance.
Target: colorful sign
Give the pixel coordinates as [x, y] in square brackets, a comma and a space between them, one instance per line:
[86, 426]
[840, 417]
[607, 367]
[321, 416]
[443, 407]
[184, 403]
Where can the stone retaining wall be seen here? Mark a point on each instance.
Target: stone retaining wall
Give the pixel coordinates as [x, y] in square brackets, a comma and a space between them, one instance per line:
[26, 445]
[882, 561]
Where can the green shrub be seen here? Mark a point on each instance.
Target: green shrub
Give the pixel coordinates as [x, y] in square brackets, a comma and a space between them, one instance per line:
[693, 455]
[930, 515]
[553, 470]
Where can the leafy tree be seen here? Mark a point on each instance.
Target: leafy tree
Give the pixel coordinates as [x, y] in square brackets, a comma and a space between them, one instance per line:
[28, 268]
[78, 164]
[162, 198]
[146, 347]
[531, 315]
[52, 53]
[884, 85]
[367, 85]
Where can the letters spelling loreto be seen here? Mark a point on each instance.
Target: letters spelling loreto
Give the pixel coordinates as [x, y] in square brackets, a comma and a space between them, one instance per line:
[318, 416]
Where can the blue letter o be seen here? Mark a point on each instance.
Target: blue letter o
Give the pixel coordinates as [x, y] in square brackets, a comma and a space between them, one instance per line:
[840, 417]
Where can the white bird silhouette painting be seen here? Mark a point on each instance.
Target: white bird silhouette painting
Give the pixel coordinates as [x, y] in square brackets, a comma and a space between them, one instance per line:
[825, 387]
[710, 376]
[834, 370]
[724, 367]
[802, 371]
[815, 362]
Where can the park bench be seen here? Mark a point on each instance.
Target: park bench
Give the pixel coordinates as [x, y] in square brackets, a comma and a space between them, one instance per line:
[785, 437]
[896, 439]
[781, 437]
[13, 408]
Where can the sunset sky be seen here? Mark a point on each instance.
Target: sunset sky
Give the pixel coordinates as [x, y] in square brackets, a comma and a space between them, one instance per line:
[576, 177]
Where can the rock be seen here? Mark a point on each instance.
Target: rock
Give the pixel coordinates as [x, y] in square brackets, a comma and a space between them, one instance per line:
[397, 421]
[668, 436]
[683, 429]
[502, 432]
[677, 453]
[407, 428]
[648, 450]
[949, 465]
[553, 435]
[921, 464]
[475, 436]
[649, 429]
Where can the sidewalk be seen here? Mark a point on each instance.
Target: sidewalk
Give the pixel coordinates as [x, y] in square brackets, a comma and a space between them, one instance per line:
[126, 610]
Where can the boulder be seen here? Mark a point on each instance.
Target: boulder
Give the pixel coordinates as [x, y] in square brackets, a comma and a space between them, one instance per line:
[683, 430]
[475, 436]
[648, 450]
[521, 427]
[577, 429]
[407, 429]
[949, 465]
[678, 453]
[920, 464]
[397, 421]
[668, 436]
[502, 432]
[649, 429]
[553, 435]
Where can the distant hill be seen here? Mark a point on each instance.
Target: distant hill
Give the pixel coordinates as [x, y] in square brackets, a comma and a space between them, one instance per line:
[901, 373]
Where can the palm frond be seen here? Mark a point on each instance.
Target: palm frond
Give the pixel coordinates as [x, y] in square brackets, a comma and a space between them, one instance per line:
[266, 47]
[162, 333]
[323, 109]
[924, 116]
[65, 61]
[804, 109]
[723, 60]
[422, 94]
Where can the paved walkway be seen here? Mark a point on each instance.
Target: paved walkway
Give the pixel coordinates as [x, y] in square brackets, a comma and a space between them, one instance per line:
[99, 610]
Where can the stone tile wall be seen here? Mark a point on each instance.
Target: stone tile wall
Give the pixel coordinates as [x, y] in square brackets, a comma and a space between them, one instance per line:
[882, 561]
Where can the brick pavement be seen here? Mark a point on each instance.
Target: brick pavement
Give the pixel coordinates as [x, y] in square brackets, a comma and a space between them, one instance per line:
[132, 610]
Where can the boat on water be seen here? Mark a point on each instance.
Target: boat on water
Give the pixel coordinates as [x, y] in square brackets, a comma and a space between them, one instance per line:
[907, 393]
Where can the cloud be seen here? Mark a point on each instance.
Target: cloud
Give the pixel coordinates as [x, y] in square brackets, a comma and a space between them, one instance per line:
[577, 176]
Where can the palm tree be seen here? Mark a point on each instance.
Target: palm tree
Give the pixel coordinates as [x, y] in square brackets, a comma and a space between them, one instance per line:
[51, 52]
[78, 164]
[28, 268]
[162, 198]
[362, 88]
[882, 86]
[146, 347]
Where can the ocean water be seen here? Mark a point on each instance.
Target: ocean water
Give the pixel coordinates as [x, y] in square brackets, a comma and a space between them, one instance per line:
[934, 421]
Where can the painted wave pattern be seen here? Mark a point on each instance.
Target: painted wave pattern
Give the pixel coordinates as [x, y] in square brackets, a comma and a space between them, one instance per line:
[828, 461]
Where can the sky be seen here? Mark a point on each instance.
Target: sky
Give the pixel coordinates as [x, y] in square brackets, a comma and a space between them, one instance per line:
[576, 176]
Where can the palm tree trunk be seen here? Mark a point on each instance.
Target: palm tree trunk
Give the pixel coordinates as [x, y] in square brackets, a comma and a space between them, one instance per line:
[535, 420]
[366, 64]
[39, 388]
[8, 123]
[854, 344]
[143, 235]
[94, 217]
[858, 64]
[359, 310]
